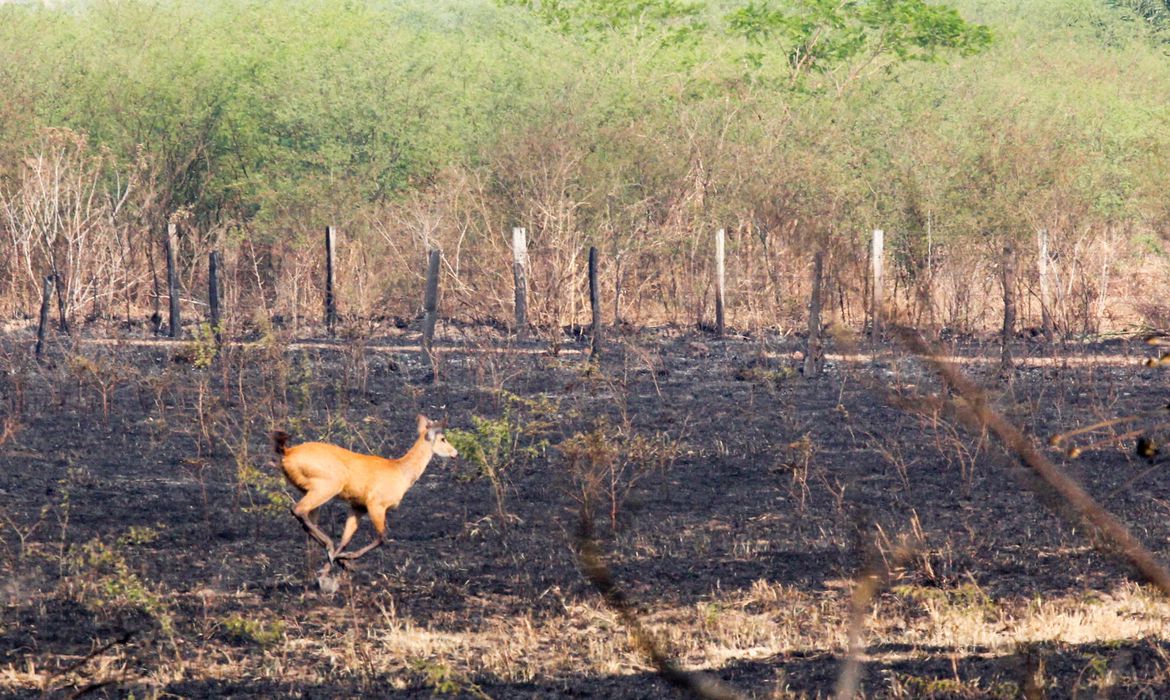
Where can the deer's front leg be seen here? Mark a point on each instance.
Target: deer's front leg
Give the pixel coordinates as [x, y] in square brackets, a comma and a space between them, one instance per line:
[378, 518]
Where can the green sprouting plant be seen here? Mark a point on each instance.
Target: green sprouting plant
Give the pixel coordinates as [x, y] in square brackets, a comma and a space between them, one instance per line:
[908, 685]
[259, 489]
[442, 679]
[968, 598]
[591, 458]
[798, 459]
[73, 475]
[204, 347]
[264, 489]
[265, 634]
[99, 576]
[301, 381]
[767, 377]
[269, 354]
[494, 445]
[338, 430]
[439, 676]
[138, 535]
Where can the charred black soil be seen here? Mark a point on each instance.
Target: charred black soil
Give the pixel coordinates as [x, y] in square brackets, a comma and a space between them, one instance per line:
[147, 546]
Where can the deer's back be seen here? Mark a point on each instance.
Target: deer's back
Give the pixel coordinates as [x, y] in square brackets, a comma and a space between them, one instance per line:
[364, 480]
[319, 465]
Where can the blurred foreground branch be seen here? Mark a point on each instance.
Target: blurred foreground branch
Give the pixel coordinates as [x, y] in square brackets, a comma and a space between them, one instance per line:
[597, 572]
[978, 413]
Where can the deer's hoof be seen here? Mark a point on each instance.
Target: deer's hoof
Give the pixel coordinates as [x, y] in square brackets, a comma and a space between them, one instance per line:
[328, 584]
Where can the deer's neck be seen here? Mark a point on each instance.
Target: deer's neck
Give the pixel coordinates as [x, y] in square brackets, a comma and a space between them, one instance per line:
[415, 461]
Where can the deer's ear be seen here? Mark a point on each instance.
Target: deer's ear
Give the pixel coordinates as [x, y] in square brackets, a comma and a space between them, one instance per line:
[422, 423]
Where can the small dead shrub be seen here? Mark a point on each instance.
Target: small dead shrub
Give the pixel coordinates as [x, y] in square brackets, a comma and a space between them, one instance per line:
[103, 372]
[605, 464]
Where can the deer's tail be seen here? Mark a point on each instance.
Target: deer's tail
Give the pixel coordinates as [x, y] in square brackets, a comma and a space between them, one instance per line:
[279, 442]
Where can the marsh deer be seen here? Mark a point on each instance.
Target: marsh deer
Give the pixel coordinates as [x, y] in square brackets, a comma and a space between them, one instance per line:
[370, 484]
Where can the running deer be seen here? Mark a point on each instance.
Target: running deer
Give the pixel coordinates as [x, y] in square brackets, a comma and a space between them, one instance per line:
[370, 484]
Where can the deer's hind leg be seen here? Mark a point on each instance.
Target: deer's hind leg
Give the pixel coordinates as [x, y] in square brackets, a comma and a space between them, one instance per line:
[306, 511]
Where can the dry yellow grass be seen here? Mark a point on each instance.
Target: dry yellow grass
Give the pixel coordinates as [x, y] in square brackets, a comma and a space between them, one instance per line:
[761, 622]
[584, 638]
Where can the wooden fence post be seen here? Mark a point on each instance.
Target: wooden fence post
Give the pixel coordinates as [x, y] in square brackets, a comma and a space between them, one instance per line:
[46, 296]
[595, 302]
[155, 292]
[520, 278]
[1042, 263]
[719, 283]
[1008, 280]
[173, 281]
[62, 301]
[330, 301]
[213, 295]
[814, 351]
[430, 311]
[617, 285]
[878, 295]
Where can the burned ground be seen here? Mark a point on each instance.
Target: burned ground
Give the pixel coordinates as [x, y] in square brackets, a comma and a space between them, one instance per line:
[148, 549]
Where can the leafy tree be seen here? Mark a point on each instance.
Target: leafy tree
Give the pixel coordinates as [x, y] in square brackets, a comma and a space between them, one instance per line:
[848, 39]
[1156, 12]
[667, 21]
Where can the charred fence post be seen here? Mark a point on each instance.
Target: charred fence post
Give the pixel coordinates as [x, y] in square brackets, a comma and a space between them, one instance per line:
[520, 278]
[430, 311]
[595, 303]
[173, 280]
[617, 285]
[62, 312]
[330, 301]
[155, 292]
[46, 297]
[1008, 281]
[213, 264]
[814, 351]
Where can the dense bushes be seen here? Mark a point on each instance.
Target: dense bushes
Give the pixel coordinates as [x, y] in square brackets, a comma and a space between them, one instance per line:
[640, 127]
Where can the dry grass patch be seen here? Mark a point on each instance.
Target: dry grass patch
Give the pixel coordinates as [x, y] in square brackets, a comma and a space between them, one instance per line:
[966, 618]
[761, 622]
